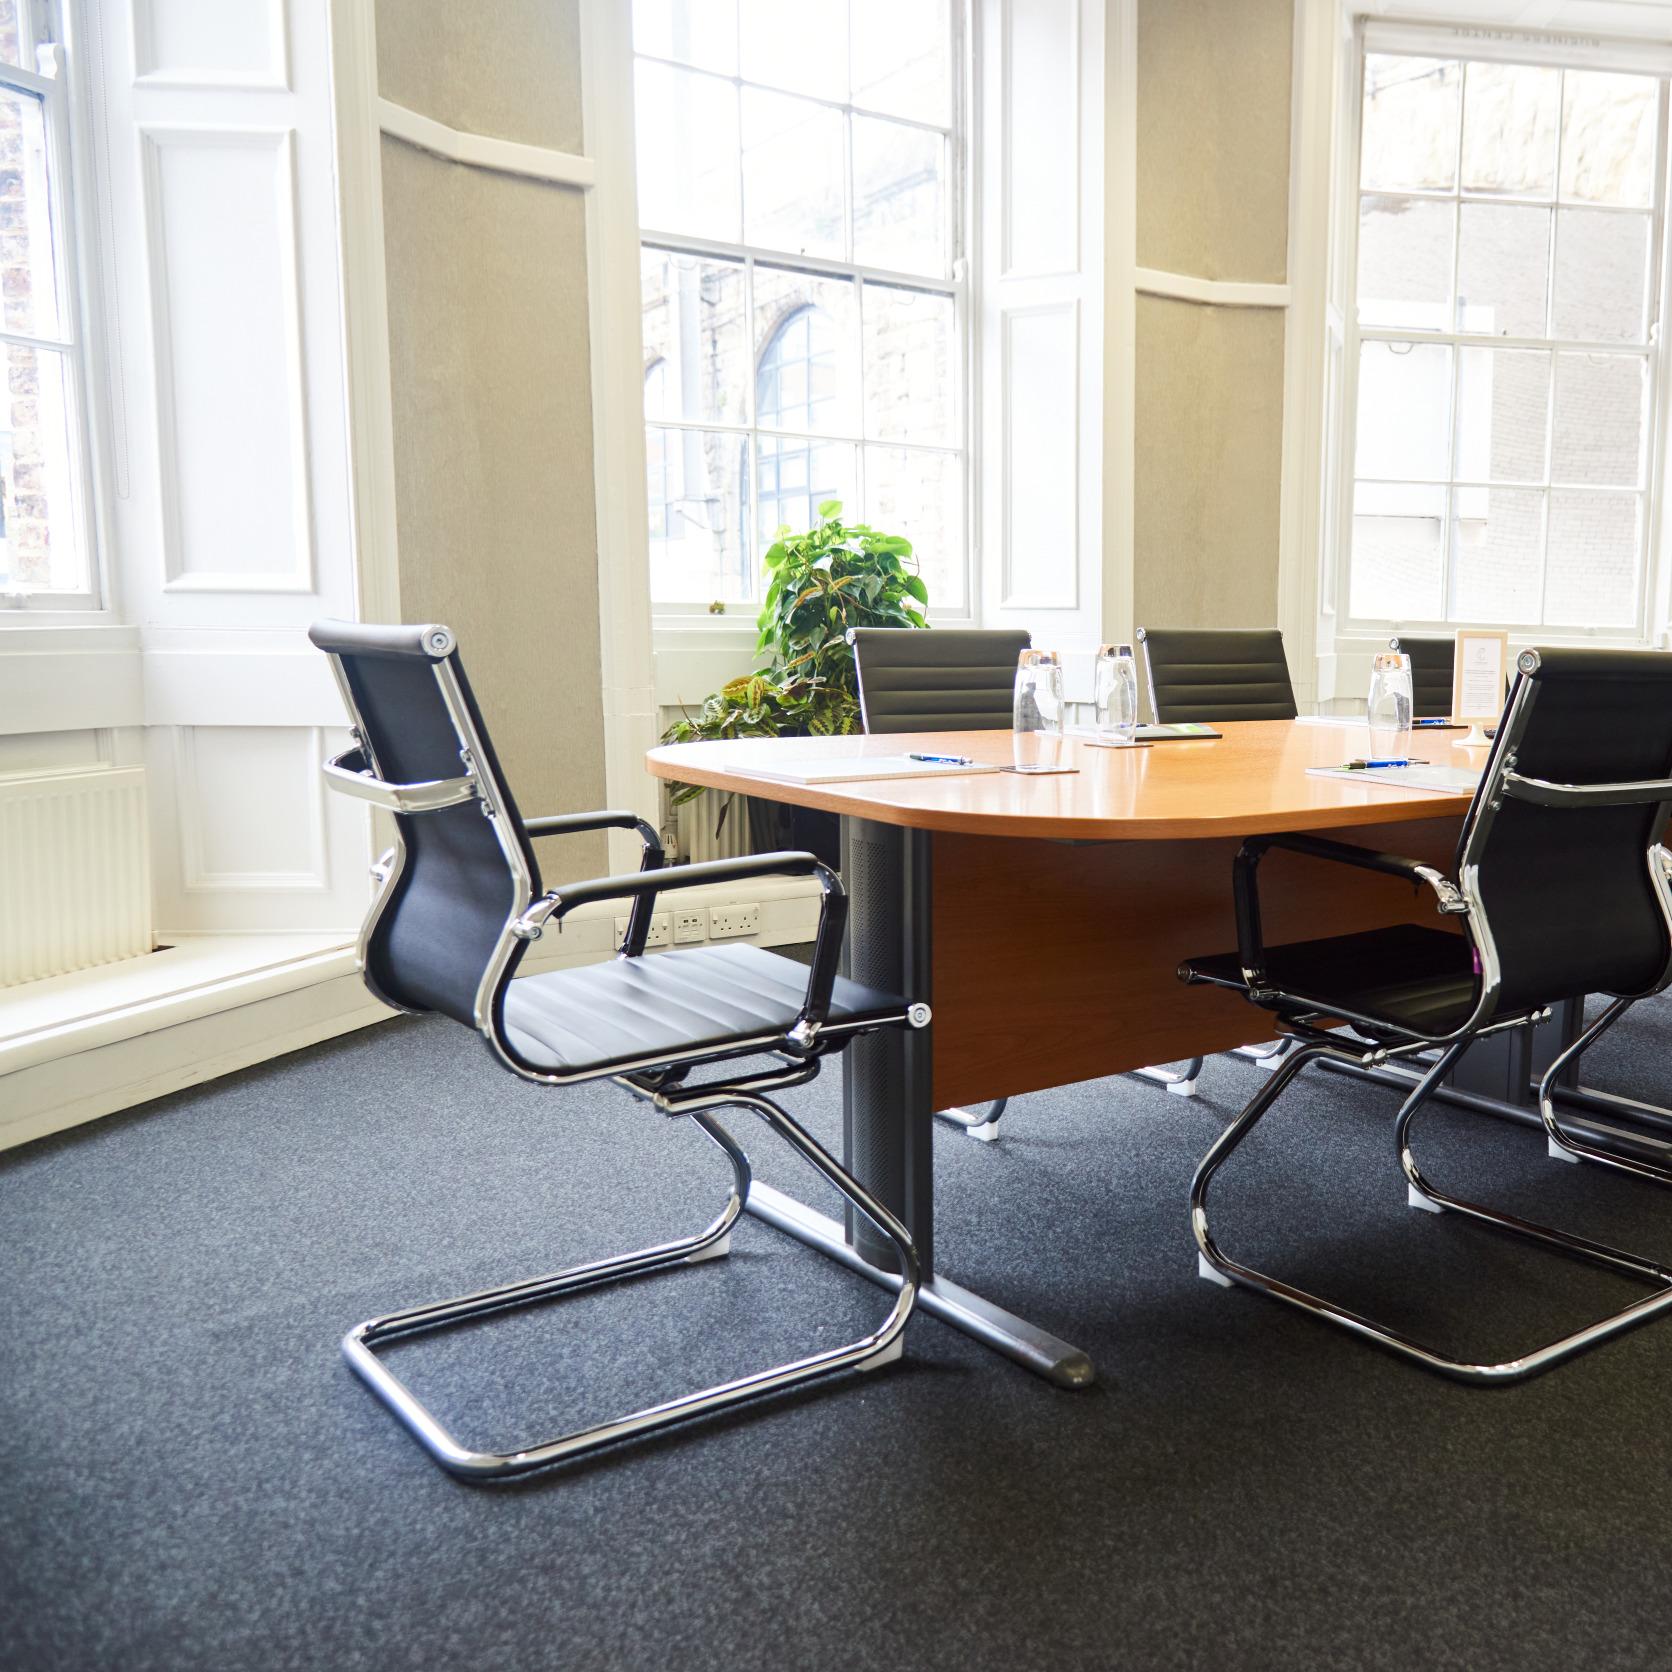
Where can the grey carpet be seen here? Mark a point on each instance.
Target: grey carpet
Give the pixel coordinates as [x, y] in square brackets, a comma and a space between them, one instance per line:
[193, 1479]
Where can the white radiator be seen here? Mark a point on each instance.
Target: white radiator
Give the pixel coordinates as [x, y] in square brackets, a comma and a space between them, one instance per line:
[75, 873]
[694, 828]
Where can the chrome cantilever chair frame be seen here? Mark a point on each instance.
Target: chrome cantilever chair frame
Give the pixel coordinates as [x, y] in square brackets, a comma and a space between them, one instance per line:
[659, 1081]
[1312, 1042]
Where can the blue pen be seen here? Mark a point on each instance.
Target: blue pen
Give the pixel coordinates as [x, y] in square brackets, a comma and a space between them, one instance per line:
[1367, 766]
[941, 760]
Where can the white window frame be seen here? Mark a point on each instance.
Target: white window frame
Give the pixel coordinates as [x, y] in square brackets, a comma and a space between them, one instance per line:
[1638, 57]
[42, 38]
[683, 616]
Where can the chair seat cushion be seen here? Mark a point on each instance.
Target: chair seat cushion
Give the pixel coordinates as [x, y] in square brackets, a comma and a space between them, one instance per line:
[1416, 979]
[669, 1005]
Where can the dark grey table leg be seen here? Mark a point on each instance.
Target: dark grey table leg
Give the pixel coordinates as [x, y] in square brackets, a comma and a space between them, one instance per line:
[887, 1108]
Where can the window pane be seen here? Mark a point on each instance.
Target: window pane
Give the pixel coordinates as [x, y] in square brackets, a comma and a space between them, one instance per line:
[39, 544]
[899, 197]
[1503, 414]
[695, 328]
[792, 175]
[1396, 566]
[11, 43]
[1608, 137]
[1509, 129]
[921, 495]
[1594, 557]
[1497, 554]
[1409, 137]
[687, 144]
[1502, 262]
[801, 45]
[695, 493]
[796, 477]
[27, 279]
[806, 352]
[701, 32]
[1599, 419]
[911, 377]
[1404, 400]
[1404, 262]
[902, 58]
[1602, 276]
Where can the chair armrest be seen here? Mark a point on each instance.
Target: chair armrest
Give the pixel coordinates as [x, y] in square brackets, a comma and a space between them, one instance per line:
[644, 886]
[570, 824]
[1251, 951]
[349, 774]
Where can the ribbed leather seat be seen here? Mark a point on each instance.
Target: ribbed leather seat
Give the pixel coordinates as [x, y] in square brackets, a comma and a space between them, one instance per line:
[942, 679]
[1417, 978]
[1432, 661]
[639, 1009]
[1217, 673]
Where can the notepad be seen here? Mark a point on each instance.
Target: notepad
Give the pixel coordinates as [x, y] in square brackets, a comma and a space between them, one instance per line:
[855, 769]
[1442, 780]
[1185, 731]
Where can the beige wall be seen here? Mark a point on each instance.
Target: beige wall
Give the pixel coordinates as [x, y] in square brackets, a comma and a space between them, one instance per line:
[491, 382]
[1213, 203]
[1208, 459]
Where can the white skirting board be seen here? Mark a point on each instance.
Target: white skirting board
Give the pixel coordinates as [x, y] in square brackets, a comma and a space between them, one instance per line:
[133, 1047]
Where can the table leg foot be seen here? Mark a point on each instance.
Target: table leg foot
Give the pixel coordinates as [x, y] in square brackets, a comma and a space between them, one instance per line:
[1031, 1347]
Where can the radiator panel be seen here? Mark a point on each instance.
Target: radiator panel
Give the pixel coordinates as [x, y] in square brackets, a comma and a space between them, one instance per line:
[75, 873]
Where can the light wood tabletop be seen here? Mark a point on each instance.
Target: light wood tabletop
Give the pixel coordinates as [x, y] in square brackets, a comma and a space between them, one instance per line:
[1251, 781]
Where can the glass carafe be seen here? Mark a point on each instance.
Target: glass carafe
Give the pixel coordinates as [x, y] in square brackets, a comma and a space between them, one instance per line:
[1115, 690]
[1388, 708]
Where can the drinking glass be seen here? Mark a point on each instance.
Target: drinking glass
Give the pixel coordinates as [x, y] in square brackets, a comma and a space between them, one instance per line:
[1115, 689]
[1038, 706]
[1389, 706]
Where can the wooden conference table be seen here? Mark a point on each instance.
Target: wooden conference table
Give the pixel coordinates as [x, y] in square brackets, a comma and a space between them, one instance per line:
[1043, 919]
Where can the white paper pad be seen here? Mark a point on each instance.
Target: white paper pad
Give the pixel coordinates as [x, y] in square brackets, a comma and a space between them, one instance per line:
[853, 769]
[1443, 780]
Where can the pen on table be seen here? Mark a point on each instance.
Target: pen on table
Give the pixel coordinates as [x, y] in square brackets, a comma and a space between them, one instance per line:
[940, 760]
[1368, 766]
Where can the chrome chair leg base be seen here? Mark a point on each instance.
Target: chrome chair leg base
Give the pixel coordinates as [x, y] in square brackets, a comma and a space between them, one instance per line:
[1180, 1082]
[1267, 1056]
[869, 1352]
[1566, 1145]
[980, 1124]
[1422, 1193]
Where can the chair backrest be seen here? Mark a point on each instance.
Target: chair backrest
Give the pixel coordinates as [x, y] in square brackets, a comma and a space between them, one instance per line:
[1432, 660]
[461, 876]
[1556, 847]
[939, 679]
[1217, 673]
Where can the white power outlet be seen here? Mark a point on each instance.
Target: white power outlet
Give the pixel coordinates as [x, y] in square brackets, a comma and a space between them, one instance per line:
[725, 921]
[690, 923]
[661, 929]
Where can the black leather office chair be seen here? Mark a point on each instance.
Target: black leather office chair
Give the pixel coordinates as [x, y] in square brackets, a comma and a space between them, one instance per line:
[1432, 661]
[1560, 890]
[460, 902]
[1216, 673]
[945, 679]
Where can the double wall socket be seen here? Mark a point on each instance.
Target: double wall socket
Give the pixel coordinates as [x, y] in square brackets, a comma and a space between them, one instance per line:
[692, 925]
[661, 928]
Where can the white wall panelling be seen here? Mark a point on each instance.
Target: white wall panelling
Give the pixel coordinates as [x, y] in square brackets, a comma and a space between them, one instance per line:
[252, 808]
[1040, 127]
[227, 337]
[1039, 366]
[1039, 54]
[212, 43]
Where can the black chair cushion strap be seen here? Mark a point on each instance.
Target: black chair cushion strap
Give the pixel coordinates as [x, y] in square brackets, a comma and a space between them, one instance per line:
[943, 679]
[1217, 674]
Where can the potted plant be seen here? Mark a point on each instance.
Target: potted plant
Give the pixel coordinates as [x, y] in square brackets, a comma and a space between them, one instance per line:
[835, 576]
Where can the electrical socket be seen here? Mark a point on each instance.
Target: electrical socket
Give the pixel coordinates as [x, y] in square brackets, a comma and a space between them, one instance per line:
[661, 930]
[724, 921]
[690, 923]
